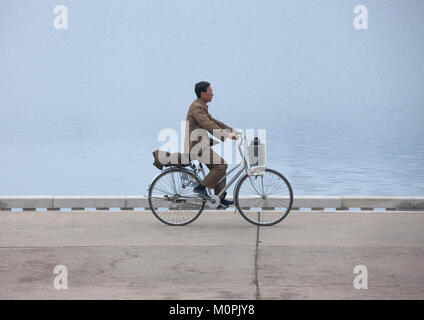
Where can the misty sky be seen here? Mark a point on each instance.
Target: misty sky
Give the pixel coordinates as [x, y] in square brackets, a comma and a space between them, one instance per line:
[124, 66]
[259, 55]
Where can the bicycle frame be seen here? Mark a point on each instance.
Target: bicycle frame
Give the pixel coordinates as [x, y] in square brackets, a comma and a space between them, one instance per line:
[180, 196]
[245, 168]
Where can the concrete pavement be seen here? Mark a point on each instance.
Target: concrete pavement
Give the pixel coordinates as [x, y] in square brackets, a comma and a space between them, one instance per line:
[131, 255]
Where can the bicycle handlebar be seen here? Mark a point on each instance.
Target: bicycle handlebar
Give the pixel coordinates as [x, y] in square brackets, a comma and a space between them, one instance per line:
[241, 136]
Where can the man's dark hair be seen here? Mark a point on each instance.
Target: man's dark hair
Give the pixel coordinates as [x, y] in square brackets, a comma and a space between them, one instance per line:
[201, 87]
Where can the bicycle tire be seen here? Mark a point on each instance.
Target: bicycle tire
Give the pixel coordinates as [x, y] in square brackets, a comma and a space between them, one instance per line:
[288, 203]
[161, 215]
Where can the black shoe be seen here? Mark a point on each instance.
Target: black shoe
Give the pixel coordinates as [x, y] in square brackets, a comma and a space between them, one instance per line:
[225, 204]
[201, 191]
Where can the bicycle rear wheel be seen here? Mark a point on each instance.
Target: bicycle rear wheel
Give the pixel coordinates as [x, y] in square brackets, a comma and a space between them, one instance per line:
[171, 197]
[265, 199]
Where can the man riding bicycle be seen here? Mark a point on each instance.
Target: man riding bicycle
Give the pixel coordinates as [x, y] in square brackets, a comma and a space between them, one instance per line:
[198, 144]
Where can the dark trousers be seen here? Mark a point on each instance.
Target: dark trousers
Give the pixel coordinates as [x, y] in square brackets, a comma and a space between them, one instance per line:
[217, 169]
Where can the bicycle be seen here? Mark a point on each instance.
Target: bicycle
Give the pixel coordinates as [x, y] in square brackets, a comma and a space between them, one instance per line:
[262, 196]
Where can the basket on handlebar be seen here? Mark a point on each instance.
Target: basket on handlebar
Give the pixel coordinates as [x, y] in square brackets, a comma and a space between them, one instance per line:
[256, 153]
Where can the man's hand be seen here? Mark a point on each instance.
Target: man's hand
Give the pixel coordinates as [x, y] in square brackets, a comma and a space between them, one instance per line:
[233, 135]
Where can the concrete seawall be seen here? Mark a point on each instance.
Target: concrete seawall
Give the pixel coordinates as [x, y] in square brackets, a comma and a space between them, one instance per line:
[133, 202]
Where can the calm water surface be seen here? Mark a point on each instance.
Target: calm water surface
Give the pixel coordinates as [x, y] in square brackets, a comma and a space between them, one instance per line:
[81, 108]
[322, 150]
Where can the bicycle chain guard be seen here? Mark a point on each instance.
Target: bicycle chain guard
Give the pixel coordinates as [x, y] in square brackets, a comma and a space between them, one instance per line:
[215, 204]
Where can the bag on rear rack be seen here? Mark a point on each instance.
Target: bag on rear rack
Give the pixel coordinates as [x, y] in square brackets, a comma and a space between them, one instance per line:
[164, 158]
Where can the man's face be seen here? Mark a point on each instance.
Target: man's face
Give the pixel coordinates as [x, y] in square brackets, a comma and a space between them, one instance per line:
[207, 96]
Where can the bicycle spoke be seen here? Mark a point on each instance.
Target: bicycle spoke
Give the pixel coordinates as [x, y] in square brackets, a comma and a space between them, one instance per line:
[276, 204]
[175, 210]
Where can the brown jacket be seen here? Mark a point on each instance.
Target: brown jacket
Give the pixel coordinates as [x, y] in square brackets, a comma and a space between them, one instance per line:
[198, 117]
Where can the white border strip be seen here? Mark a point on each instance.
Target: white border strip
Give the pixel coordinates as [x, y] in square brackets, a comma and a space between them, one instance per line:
[131, 202]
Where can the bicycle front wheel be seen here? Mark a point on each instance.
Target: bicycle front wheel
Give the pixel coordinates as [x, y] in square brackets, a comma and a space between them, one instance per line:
[264, 199]
[171, 197]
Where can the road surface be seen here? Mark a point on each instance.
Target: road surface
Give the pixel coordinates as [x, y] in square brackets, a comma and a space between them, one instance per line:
[132, 255]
